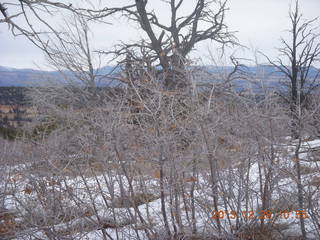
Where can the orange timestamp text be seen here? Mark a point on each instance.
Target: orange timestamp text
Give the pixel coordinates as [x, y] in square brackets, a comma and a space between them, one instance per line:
[261, 214]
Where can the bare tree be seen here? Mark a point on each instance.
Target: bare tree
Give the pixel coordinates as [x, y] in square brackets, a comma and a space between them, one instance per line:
[169, 44]
[166, 44]
[302, 52]
[298, 60]
[79, 71]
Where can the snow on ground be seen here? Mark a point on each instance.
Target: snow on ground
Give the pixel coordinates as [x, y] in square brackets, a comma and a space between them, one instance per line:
[98, 192]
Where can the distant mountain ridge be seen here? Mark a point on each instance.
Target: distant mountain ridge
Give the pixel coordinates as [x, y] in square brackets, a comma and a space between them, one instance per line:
[12, 77]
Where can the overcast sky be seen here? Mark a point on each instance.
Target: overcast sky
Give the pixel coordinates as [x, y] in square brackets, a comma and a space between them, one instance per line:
[259, 25]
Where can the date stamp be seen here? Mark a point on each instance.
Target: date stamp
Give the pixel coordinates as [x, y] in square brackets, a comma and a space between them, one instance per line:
[261, 214]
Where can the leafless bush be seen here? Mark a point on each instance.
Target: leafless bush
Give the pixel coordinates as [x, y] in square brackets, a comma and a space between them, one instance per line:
[153, 158]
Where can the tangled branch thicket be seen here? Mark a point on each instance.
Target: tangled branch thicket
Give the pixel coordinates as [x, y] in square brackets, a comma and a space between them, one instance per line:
[148, 163]
[173, 152]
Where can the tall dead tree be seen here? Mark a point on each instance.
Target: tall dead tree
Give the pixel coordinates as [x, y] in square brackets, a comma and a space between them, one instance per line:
[297, 61]
[168, 45]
